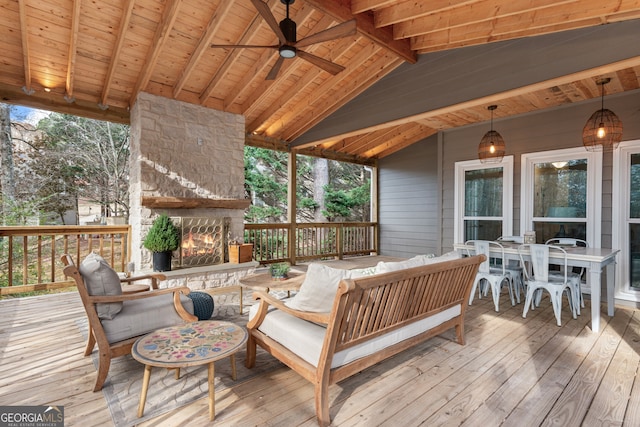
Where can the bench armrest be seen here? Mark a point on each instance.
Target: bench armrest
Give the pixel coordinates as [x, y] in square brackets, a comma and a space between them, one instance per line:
[266, 300]
[155, 278]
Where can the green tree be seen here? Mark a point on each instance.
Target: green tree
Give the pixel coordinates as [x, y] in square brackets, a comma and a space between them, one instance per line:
[97, 158]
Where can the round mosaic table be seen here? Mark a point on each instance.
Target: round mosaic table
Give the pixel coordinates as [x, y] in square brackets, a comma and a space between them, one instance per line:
[189, 344]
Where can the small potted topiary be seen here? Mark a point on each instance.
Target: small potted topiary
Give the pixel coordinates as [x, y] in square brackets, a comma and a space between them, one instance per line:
[279, 271]
[162, 238]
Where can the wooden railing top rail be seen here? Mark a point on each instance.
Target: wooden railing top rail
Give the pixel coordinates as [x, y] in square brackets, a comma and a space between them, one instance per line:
[37, 230]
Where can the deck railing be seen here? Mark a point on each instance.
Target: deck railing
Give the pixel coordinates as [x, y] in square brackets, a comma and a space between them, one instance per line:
[29, 256]
[272, 242]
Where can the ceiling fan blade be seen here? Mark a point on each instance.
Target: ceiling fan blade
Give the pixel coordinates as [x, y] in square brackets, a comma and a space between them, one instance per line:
[252, 46]
[337, 32]
[328, 66]
[275, 69]
[265, 12]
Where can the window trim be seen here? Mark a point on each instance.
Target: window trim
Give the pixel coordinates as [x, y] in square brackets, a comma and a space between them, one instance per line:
[620, 217]
[459, 195]
[594, 187]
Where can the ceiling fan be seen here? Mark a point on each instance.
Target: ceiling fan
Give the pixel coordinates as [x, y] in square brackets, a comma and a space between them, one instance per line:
[288, 46]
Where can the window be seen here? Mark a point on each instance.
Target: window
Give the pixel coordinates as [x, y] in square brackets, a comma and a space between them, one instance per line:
[626, 218]
[561, 194]
[483, 200]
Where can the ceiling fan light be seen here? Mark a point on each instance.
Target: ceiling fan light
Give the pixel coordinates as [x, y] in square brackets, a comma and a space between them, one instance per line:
[287, 51]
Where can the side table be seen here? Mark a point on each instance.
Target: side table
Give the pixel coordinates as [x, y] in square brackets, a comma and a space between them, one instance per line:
[189, 344]
[264, 282]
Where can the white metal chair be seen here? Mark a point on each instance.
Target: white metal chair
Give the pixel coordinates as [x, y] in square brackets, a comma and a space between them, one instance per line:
[494, 277]
[574, 276]
[538, 278]
[514, 268]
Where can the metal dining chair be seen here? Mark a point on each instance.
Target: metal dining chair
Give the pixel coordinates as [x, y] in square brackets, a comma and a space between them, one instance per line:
[514, 269]
[572, 275]
[492, 278]
[538, 279]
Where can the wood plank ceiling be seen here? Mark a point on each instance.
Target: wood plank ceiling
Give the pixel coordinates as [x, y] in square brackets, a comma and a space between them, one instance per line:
[92, 58]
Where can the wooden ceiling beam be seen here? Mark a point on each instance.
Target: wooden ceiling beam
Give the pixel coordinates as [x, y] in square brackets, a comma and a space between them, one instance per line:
[262, 92]
[117, 52]
[213, 27]
[360, 6]
[55, 102]
[531, 23]
[233, 54]
[483, 11]
[357, 85]
[366, 27]
[262, 121]
[73, 51]
[407, 139]
[160, 37]
[410, 10]
[24, 33]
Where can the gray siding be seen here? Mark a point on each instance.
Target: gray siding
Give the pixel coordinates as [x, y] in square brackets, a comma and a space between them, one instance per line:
[409, 201]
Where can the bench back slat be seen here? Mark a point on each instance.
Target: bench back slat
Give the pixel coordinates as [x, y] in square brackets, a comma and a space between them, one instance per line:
[371, 306]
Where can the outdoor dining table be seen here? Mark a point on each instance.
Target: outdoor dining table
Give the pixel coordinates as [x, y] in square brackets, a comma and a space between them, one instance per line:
[595, 260]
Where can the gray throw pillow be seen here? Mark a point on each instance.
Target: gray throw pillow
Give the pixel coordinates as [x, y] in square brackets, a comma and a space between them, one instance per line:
[101, 280]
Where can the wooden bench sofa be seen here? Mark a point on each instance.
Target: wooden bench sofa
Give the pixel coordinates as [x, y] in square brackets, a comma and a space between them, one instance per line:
[371, 318]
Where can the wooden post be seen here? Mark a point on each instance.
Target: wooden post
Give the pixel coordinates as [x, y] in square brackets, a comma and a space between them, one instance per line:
[292, 206]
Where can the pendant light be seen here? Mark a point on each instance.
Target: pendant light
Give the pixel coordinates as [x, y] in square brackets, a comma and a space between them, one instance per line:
[603, 130]
[492, 147]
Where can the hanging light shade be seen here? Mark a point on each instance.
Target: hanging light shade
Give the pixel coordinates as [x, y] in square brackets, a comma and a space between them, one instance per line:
[492, 146]
[603, 130]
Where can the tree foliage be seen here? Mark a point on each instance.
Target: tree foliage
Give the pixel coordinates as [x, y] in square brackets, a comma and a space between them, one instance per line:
[345, 189]
[95, 158]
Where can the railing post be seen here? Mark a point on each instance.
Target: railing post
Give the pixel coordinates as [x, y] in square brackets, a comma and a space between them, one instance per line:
[340, 240]
[292, 242]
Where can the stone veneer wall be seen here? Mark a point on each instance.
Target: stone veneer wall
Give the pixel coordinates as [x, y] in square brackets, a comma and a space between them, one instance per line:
[182, 150]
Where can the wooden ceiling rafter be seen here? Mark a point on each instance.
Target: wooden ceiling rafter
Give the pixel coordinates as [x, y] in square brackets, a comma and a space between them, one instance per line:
[117, 53]
[365, 25]
[169, 16]
[328, 87]
[24, 30]
[73, 52]
[410, 10]
[411, 137]
[230, 58]
[542, 21]
[297, 91]
[383, 65]
[217, 19]
[262, 92]
[360, 6]
[483, 11]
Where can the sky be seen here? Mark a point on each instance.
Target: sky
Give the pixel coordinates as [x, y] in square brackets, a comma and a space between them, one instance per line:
[26, 114]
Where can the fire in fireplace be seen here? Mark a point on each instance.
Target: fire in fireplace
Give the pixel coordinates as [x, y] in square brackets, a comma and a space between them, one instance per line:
[203, 240]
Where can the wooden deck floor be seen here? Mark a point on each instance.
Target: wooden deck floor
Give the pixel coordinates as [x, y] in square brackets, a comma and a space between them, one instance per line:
[512, 372]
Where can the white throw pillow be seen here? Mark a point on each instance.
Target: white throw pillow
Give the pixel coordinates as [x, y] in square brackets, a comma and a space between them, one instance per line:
[318, 290]
[416, 261]
[101, 279]
[361, 272]
[444, 257]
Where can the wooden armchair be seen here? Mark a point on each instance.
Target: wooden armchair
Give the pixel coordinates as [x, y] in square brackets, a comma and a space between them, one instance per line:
[117, 319]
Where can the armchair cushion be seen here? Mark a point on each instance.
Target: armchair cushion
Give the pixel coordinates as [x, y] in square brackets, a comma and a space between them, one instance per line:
[101, 280]
[141, 316]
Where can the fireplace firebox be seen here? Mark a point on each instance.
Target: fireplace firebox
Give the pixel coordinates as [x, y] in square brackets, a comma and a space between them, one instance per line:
[203, 240]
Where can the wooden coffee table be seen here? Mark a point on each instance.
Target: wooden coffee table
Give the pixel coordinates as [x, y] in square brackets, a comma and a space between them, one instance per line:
[189, 344]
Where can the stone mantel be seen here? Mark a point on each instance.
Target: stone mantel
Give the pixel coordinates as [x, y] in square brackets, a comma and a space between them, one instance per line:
[193, 203]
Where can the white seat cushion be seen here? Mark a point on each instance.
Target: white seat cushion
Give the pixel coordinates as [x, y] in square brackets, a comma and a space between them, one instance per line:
[306, 338]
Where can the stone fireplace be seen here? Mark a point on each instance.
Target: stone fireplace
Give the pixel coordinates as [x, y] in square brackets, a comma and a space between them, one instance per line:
[186, 161]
